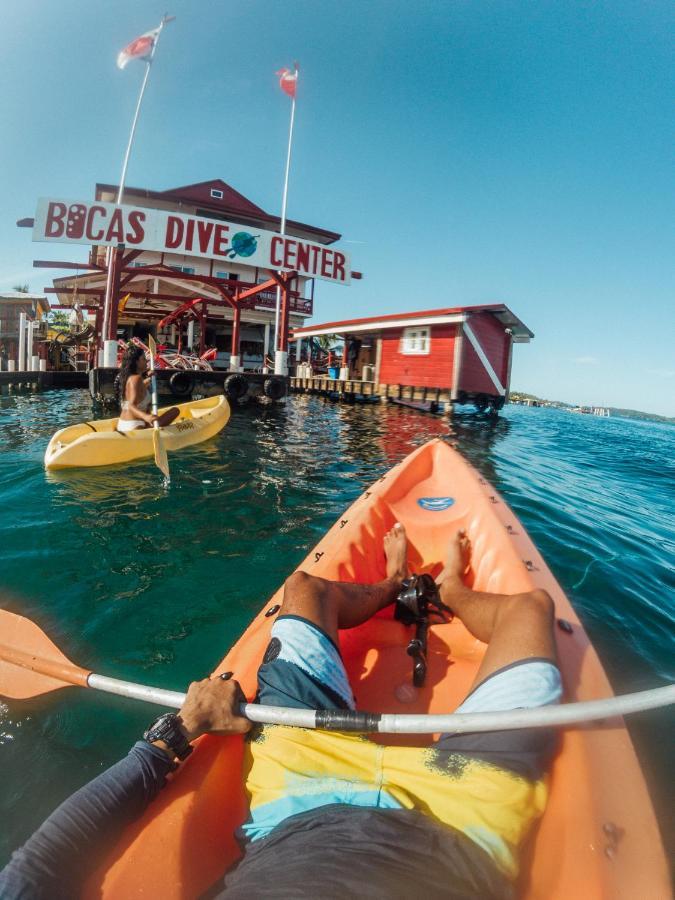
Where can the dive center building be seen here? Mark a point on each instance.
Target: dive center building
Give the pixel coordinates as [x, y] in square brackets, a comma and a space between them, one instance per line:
[200, 267]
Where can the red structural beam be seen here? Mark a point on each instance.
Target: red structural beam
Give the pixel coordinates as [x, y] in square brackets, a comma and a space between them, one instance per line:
[161, 273]
[190, 306]
[258, 289]
[149, 295]
[146, 295]
[181, 311]
[62, 306]
[164, 272]
[57, 264]
[142, 313]
[88, 291]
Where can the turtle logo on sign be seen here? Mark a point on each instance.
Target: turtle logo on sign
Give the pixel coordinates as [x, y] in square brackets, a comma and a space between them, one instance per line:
[435, 504]
[243, 244]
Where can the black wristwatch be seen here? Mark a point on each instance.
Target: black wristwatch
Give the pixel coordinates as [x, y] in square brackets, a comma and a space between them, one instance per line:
[167, 728]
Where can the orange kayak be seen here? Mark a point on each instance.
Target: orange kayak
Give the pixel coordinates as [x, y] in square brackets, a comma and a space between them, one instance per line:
[598, 837]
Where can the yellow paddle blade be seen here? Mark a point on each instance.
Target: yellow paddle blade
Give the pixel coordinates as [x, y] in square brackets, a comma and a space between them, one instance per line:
[152, 345]
[31, 664]
[161, 459]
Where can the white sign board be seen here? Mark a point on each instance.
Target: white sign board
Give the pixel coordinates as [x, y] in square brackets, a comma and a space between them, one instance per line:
[140, 228]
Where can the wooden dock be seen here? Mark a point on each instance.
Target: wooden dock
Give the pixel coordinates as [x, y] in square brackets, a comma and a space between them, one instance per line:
[43, 381]
[425, 399]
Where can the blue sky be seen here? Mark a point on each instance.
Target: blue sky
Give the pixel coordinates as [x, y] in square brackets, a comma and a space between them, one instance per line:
[471, 152]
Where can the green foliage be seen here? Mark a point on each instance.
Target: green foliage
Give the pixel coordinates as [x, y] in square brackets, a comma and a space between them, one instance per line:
[326, 341]
[20, 288]
[57, 318]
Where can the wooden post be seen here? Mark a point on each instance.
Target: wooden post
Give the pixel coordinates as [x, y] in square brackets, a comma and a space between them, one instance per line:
[266, 347]
[22, 342]
[116, 264]
[281, 354]
[234, 349]
[98, 342]
[458, 350]
[345, 373]
[509, 359]
[378, 360]
[202, 327]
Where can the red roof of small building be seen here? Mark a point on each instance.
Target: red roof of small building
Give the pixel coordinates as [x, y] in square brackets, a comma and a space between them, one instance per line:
[394, 320]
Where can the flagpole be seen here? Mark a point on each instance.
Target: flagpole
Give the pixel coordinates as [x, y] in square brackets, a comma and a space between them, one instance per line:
[283, 224]
[107, 308]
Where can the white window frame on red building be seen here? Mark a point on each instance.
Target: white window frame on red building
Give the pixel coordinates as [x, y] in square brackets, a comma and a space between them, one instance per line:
[413, 336]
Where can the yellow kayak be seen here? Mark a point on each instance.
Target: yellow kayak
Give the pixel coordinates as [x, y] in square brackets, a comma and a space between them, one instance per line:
[99, 444]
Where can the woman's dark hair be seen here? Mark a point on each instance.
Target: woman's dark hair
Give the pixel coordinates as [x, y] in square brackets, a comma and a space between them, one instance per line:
[128, 367]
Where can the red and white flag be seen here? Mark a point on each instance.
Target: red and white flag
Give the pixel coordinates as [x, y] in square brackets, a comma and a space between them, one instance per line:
[288, 81]
[140, 48]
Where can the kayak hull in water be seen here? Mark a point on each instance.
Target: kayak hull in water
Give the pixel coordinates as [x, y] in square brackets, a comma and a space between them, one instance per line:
[97, 443]
[598, 837]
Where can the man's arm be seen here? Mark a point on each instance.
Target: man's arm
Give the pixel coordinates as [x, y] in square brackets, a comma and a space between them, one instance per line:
[56, 860]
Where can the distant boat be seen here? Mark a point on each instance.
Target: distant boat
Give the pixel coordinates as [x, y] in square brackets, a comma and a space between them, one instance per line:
[591, 410]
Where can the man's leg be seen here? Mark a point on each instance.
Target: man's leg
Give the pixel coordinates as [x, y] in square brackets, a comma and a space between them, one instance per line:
[515, 627]
[332, 605]
[291, 771]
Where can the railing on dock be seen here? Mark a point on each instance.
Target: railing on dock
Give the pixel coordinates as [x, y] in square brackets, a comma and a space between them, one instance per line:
[354, 389]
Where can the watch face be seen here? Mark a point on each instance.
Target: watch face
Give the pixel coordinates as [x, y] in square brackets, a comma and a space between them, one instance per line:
[166, 724]
[167, 728]
[159, 728]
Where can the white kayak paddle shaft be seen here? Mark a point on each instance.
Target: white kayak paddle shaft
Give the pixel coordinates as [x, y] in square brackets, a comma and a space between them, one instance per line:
[384, 723]
[172, 699]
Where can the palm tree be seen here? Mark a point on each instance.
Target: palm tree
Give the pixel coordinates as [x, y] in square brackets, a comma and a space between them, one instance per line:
[21, 288]
[326, 341]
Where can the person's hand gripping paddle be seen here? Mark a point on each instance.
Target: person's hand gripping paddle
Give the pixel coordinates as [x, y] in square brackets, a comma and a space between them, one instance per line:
[161, 459]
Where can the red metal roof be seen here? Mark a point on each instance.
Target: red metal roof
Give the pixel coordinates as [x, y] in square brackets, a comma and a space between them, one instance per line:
[232, 204]
[201, 193]
[378, 322]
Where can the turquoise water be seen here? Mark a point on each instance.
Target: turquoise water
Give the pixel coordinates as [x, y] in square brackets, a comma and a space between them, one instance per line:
[153, 585]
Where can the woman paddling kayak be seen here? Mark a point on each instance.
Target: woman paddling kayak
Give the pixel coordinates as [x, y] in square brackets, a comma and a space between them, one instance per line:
[135, 397]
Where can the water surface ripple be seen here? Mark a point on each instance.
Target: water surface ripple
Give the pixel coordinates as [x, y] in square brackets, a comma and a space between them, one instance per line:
[152, 584]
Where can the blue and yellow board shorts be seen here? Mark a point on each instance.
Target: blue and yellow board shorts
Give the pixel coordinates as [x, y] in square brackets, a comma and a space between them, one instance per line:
[489, 786]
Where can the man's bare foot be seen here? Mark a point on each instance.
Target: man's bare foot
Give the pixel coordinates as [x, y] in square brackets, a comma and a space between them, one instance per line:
[396, 552]
[457, 558]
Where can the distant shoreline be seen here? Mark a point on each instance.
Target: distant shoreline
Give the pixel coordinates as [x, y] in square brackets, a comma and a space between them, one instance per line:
[614, 411]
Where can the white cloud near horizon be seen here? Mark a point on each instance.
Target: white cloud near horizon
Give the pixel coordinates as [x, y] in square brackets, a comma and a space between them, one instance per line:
[662, 373]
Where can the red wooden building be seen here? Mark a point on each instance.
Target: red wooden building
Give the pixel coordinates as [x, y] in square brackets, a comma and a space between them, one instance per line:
[463, 352]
